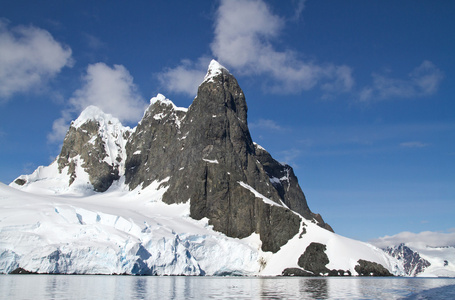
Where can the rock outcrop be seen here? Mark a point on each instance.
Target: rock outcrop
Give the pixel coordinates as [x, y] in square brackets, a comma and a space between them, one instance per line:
[153, 148]
[368, 268]
[314, 259]
[95, 142]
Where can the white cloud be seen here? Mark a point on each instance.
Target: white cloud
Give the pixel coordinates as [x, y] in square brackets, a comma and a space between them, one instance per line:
[300, 6]
[93, 42]
[59, 129]
[290, 156]
[422, 81]
[244, 34]
[29, 56]
[425, 238]
[186, 77]
[413, 145]
[110, 89]
[266, 125]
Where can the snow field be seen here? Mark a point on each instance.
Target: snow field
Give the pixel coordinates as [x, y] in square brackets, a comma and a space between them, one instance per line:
[114, 232]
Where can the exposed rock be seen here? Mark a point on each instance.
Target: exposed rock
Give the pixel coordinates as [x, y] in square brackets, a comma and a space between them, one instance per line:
[368, 268]
[153, 149]
[321, 222]
[86, 145]
[21, 271]
[314, 259]
[313, 263]
[20, 181]
[209, 159]
[216, 159]
[340, 272]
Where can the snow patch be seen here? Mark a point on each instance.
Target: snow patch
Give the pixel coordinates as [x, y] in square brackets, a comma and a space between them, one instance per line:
[259, 146]
[215, 69]
[257, 194]
[211, 161]
[160, 98]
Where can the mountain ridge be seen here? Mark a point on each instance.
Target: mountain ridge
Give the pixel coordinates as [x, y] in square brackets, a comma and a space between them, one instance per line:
[206, 151]
[201, 160]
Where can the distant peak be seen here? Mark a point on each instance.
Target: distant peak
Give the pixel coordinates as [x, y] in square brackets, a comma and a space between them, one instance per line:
[215, 68]
[93, 113]
[160, 98]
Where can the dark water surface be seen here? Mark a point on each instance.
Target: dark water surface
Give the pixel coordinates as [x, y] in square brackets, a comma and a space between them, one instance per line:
[135, 287]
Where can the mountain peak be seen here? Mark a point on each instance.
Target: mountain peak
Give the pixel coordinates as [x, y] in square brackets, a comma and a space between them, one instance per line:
[160, 98]
[214, 69]
[96, 114]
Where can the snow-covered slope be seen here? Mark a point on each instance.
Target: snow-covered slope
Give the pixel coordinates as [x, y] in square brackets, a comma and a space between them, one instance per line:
[133, 232]
[423, 260]
[114, 232]
[442, 260]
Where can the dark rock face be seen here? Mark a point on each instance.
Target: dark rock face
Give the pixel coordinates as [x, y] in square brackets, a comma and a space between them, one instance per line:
[211, 161]
[368, 268]
[76, 143]
[413, 263]
[285, 182]
[314, 259]
[153, 148]
[21, 271]
[20, 181]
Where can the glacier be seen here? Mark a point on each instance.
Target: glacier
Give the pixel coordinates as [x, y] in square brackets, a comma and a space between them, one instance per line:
[134, 232]
[117, 232]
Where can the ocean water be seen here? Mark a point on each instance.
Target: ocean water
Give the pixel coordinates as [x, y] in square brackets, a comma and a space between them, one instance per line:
[175, 287]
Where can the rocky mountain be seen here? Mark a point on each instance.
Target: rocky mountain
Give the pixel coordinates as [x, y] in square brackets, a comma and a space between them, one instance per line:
[98, 141]
[92, 157]
[208, 155]
[203, 166]
[412, 262]
[420, 259]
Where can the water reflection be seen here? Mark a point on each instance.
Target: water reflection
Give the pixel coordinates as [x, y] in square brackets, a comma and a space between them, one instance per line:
[316, 288]
[131, 287]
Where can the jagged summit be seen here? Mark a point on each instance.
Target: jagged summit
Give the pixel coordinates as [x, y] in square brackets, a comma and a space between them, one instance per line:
[94, 113]
[161, 99]
[91, 159]
[214, 69]
[413, 263]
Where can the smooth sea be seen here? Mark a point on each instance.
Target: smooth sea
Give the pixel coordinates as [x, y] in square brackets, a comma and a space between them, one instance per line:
[175, 287]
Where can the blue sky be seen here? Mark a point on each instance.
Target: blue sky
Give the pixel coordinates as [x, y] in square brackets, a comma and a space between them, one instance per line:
[357, 96]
